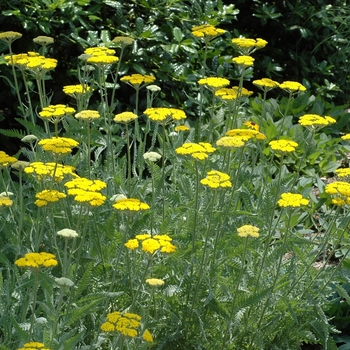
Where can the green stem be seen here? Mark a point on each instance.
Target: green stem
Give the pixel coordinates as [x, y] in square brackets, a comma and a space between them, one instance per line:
[35, 288]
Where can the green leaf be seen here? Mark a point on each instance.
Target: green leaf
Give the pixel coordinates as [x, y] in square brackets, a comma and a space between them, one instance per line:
[177, 34]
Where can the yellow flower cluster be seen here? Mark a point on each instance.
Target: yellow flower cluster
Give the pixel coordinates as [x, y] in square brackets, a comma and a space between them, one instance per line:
[346, 137]
[126, 324]
[246, 134]
[101, 56]
[283, 145]
[33, 62]
[244, 61]
[48, 196]
[137, 80]
[230, 142]
[292, 86]
[6, 160]
[216, 179]
[87, 115]
[155, 282]
[207, 32]
[248, 230]
[58, 145]
[343, 172]
[150, 244]
[340, 191]
[266, 84]
[214, 82]
[198, 151]
[163, 114]
[292, 200]
[33, 345]
[181, 128]
[54, 113]
[37, 260]
[130, 204]
[247, 46]
[229, 94]
[86, 191]
[5, 201]
[76, 90]
[44, 171]
[125, 117]
[315, 121]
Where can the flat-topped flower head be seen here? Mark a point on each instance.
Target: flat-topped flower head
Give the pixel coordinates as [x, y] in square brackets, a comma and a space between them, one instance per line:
[87, 115]
[9, 37]
[315, 122]
[216, 179]
[230, 142]
[151, 244]
[125, 117]
[123, 41]
[164, 114]
[284, 146]
[152, 156]
[33, 345]
[246, 134]
[247, 46]
[199, 151]
[292, 200]
[86, 184]
[214, 83]
[130, 204]
[338, 188]
[155, 282]
[77, 90]
[46, 171]
[55, 113]
[181, 128]
[266, 84]
[248, 230]
[244, 61]
[138, 80]
[346, 137]
[67, 233]
[343, 172]
[37, 65]
[43, 40]
[292, 87]
[103, 60]
[5, 201]
[46, 197]
[99, 51]
[37, 260]
[58, 145]
[207, 32]
[6, 160]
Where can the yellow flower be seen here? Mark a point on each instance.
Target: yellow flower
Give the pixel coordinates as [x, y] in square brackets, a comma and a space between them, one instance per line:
[230, 142]
[292, 200]
[246, 134]
[86, 184]
[346, 137]
[48, 196]
[251, 125]
[247, 46]
[207, 32]
[58, 145]
[55, 113]
[163, 114]
[198, 151]
[216, 179]
[248, 230]
[136, 80]
[147, 336]
[338, 188]
[343, 172]
[283, 145]
[48, 170]
[102, 60]
[214, 82]
[125, 117]
[6, 160]
[5, 201]
[150, 245]
[155, 282]
[37, 260]
[226, 94]
[88, 115]
[76, 90]
[315, 122]
[181, 128]
[33, 346]
[266, 84]
[10, 36]
[292, 86]
[131, 204]
[143, 236]
[99, 51]
[132, 244]
[244, 61]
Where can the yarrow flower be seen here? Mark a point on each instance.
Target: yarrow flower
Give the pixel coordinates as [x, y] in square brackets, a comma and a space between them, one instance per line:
[340, 192]
[283, 145]
[214, 82]
[292, 200]
[207, 32]
[9, 37]
[125, 117]
[58, 145]
[138, 80]
[246, 134]
[37, 260]
[151, 244]
[315, 122]
[6, 160]
[266, 84]
[181, 128]
[292, 87]
[55, 113]
[46, 197]
[123, 41]
[155, 282]
[216, 179]
[130, 204]
[244, 61]
[152, 156]
[248, 230]
[164, 114]
[247, 46]
[77, 90]
[346, 137]
[43, 171]
[43, 40]
[67, 233]
[99, 51]
[87, 115]
[33, 345]
[230, 142]
[5, 201]
[103, 60]
[343, 172]
[199, 151]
